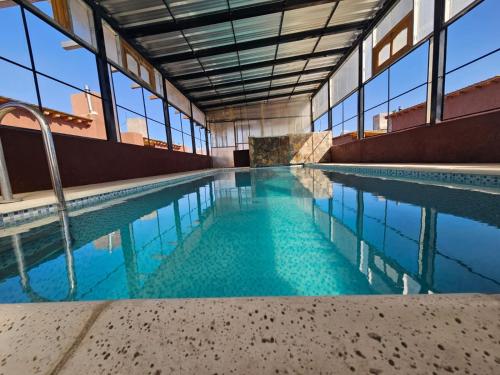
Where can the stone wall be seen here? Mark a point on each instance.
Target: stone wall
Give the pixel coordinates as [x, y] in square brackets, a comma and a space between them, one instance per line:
[290, 149]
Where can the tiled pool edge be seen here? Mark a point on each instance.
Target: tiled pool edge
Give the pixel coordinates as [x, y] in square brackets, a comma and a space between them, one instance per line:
[24, 216]
[451, 177]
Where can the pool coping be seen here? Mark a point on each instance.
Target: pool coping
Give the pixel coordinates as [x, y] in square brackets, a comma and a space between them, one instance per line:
[345, 334]
[42, 204]
[482, 177]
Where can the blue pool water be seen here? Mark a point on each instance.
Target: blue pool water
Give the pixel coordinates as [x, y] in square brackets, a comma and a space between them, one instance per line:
[267, 232]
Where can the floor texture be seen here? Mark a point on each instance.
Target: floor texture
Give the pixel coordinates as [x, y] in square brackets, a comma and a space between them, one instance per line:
[430, 334]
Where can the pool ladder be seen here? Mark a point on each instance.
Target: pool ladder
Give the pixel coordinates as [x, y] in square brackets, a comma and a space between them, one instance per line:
[50, 152]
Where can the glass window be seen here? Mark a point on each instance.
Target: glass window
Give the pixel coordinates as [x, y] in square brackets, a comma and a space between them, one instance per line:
[453, 7]
[175, 118]
[345, 116]
[473, 62]
[112, 44]
[82, 21]
[157, 133]
[17, 83]
[321, 124]
[186, 130]
[13, 45]
[73, 15]
[60, 57]
[128, 93]
[397, 98]
[154, 106]
[133, 127]
[177, 140]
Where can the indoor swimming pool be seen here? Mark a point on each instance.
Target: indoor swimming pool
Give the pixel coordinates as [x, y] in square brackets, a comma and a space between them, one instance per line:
[265, 232]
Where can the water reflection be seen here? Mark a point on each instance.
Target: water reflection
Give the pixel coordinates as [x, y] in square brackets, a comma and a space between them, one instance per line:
[266, 232]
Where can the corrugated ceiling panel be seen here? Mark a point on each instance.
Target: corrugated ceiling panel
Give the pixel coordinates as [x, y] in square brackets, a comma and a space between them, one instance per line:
[224, 78]
[296, 48]
[164, 44]
[203, 94]
[281, 91]
[355, 10]
[257, 27]
[295, 66]
[132, 13]
[314, 17]
[191, 8]
[257, 54]
[257, 85]
[210, 36]
[197, 82]
[257, 95]
[226, 90]
[225, 60]
[183, 67]
[313, 76]
[233, 98]
[335, 41]
[243, 3]
[210, 102]
[307, 87]
[321, 62]
[255, 73]
[285, 81]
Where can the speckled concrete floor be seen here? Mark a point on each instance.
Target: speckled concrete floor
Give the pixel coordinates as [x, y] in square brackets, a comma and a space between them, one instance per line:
[339, 335]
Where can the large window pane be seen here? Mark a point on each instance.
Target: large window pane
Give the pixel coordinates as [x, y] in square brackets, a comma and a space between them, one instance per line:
[16, 83]
[60, 57]
[157, 134]
[376, 120]
[133, 128]
[377, 91]
[154, 106]
[177, 140]
[73, 15]
[473, 35]
[175, 118]
[71, 111]
[410, 71]
[473, 62]
[13, 44]
[128, 93]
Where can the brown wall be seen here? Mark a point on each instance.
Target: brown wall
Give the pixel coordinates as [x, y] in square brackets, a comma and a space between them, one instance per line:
[85, 161]
[474, 139]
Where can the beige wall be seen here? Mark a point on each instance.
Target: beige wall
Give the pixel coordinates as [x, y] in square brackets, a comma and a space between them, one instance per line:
[275, 118]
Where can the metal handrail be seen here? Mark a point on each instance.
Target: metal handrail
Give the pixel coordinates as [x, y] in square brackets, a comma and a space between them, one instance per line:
[50, 152]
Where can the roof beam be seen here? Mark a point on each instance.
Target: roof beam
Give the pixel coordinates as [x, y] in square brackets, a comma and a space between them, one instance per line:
[263, 64]
[246, 82]
[259, 90]
[258, 43]
[266, 78]
[258, 99]
[219, 17]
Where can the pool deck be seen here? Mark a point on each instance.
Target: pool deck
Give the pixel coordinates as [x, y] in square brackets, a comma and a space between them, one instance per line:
[46, 197]
[427, 334]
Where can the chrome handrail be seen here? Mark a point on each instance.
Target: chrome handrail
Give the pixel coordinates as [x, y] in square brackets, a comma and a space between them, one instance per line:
[50, 152]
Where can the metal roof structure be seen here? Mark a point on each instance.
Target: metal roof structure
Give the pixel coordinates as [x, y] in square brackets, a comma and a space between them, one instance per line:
[227, 52]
